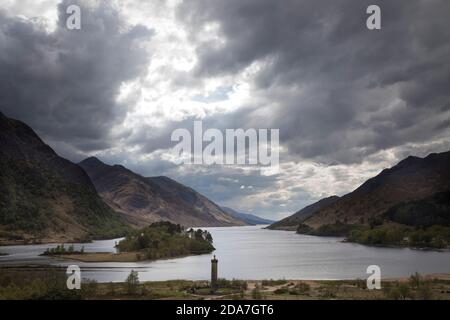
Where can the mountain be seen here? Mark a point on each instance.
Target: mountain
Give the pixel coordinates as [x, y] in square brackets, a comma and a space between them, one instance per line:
[146, 200]
[291, 223]
[412, 179]
[249, 219]
[46, 198]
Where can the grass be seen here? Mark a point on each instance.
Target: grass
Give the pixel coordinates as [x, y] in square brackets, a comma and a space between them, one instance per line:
[44, 283]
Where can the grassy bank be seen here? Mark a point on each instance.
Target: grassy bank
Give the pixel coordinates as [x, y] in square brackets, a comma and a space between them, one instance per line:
[433, 237]
[50, 284]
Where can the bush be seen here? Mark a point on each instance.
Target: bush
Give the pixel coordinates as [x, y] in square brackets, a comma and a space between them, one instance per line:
[424, 291]
[89, 288]
[273, 282]
[283, 290]
[422, 286]
[132, 283]
[42, 285]
[398, 291]
[300, 288]
[256, 293]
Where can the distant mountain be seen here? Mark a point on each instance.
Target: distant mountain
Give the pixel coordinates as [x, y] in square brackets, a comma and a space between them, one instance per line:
[291, 223]
[250, 219]
[145, 200]
[44, 197]
[412, 179]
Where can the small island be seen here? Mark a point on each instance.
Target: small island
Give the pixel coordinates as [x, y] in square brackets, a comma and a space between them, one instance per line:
[161, 240]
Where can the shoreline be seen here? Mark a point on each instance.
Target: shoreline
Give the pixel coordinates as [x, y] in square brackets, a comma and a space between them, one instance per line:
[95, 257]
[390, 246]
[43, 267]
[414, 287]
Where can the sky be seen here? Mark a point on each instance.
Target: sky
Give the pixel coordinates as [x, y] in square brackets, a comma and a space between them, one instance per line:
[348, 101]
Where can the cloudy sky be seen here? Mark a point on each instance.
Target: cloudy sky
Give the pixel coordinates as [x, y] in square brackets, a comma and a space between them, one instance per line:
[348, 101]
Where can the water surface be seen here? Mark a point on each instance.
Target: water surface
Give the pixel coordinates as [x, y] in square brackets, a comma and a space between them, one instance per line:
[254, 253]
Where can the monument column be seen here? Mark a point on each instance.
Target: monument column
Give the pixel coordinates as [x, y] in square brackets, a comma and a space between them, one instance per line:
[214, 285]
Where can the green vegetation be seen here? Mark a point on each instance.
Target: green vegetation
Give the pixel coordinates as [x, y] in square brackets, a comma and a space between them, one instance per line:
[132, 282]
[166, 240]
[272, 282]
[425, 213]
[61, 250]
[234, 288]
[337, 229]
[232, 284]
[28, 194]
[422, 224]
[379, 234]
[41, 283]
[298, 289]
[437, 237]
[50, 284]
[417, 288]
[256, 293]
[36, 285]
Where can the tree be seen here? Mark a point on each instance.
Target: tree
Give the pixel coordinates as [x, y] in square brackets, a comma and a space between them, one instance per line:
[256, 293]
[199, 234]
[132, 282]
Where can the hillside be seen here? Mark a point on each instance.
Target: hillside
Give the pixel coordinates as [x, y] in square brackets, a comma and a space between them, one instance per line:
[410, 180]
[46, 198]
[291, 223]
[250, 219]
[433, 210]
[146, 200]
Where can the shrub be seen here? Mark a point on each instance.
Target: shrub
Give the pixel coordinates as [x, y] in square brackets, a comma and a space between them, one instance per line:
[301, 288]
[283, 290]
[132, 283]
[398, 291]
[256, 293]
[272, 282]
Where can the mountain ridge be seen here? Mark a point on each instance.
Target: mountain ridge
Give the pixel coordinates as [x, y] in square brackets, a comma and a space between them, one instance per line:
[144, 200]
[291, 223]
[250, 219]
[411, 179]
[44, 197]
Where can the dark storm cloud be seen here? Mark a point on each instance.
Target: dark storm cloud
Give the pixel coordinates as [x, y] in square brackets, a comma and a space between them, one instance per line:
[342, 92]
[64, 83]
